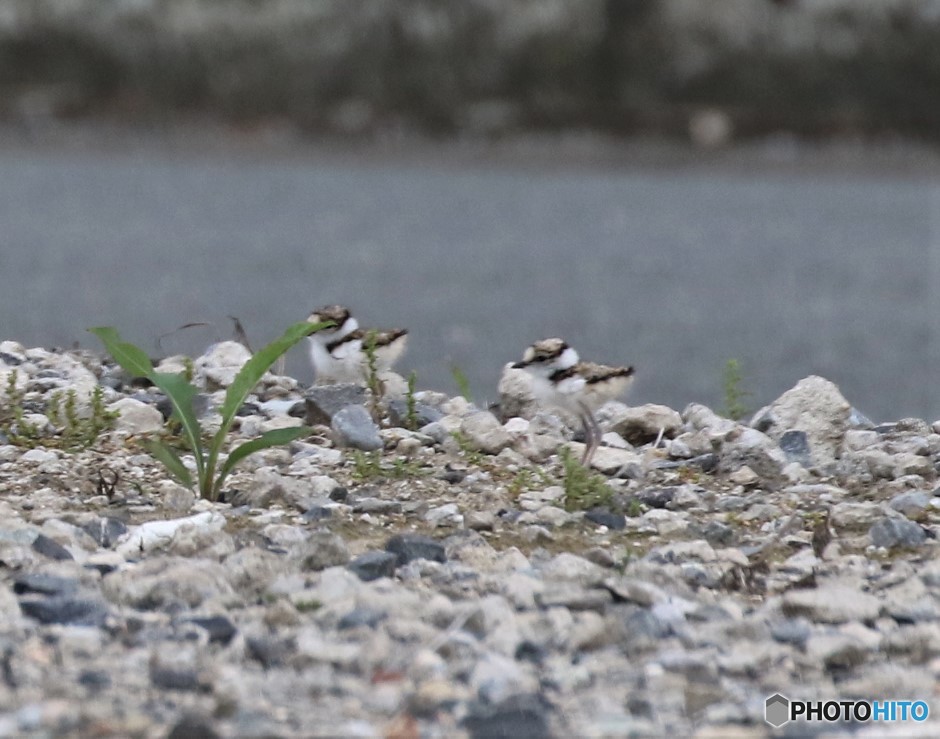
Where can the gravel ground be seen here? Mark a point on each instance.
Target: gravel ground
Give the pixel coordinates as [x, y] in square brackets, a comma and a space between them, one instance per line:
[463, 579]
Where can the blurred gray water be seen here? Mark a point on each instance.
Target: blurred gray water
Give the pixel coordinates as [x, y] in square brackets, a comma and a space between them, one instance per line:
[674, 270]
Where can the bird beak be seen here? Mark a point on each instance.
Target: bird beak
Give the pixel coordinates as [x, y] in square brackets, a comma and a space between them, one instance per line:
[520, 365]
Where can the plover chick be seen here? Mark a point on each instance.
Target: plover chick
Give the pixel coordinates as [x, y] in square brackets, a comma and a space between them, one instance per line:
[562, 380]
[338, 353]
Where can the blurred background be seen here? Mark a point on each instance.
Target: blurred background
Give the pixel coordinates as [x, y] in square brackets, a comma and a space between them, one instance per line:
[666, 183]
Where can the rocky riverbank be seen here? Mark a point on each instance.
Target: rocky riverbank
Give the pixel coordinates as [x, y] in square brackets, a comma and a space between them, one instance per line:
[461, 579]
[481, 68]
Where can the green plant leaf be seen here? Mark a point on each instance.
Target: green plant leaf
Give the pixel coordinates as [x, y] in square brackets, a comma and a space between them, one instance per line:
[275, 437]
[130, 357]
[253, 370]
[181, 395]
[171, 461]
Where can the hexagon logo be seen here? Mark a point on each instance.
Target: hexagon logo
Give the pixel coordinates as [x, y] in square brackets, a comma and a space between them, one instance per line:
[777, 710]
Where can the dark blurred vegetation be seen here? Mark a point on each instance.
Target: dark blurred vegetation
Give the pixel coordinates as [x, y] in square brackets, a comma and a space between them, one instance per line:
[482, 67]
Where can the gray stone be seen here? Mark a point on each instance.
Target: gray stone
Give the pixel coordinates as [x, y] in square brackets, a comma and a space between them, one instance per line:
[791, 631]
[795, 444]
[373, 565]
[751, 448]
[178, 669]
[425, 414]
[376, 505]
[854, 516]
[484, 433]
[167, 582]
[519, 716]
[322, 402]
[220, 629]
[66, 609]
[190, 726]
[831, 603]
[353, 427]
[836, 651]
[891, 533]
[44, 584]
[604, 517]
[316, 513]
[445, 515]
[911, 503]
[613, 461]
[409, 547]
[911, 602]
[50, 548]
[573, 597]
[572, 568]
[368, 617]
[719, 533]
[321, 549]
[656, 497]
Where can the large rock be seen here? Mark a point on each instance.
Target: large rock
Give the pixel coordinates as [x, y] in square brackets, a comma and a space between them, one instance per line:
[814, 406]
[135, 417]
[220, 364]
[484, 433]
[515, 394]
[832, 604]
[642, 423]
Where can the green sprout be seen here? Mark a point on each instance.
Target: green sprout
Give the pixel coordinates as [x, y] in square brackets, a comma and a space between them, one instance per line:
[411, 404]
[463, 384]
[735, 409]
[583, 489]
[210, 475]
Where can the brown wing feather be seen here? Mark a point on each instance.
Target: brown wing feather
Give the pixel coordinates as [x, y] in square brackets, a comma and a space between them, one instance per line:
[594, 373]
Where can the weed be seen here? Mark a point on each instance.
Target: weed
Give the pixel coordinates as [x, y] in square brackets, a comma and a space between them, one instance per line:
[210, 474]
[189, 369]
[411, 414]
[635, 508]
[13, 421]
[583, 489]
[474, 456]
[368, 466]
[74, 432]
[307, 606]
[403, 468]
[731, 380]
[526, 479]
[463, 384]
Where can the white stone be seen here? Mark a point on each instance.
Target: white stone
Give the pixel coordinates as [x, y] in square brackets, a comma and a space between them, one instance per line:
[484, 433]
[610, 460]
[644, 420]
[39, 456]
[816, 407]
[136, 417]
[159, 534]
[221, 363]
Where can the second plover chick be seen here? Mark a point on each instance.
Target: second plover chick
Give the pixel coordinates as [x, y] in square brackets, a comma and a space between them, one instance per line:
[338, 354]
[561, 379]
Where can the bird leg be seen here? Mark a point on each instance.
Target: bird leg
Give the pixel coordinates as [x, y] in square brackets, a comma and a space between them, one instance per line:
[592, 434]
